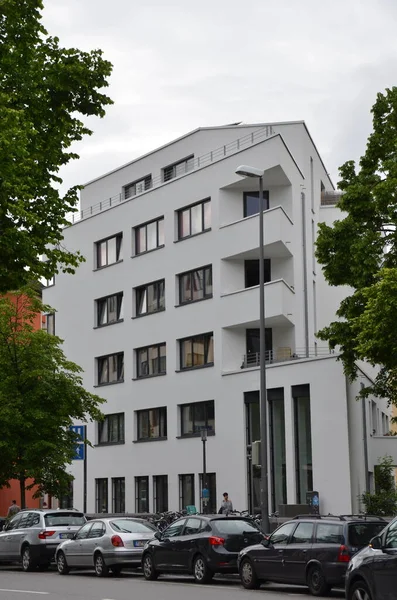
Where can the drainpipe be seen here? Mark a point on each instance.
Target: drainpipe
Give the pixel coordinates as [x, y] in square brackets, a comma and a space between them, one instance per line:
[305, 291]
[365, 441]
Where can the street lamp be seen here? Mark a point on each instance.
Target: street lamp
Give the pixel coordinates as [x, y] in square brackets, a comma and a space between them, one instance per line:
[246, 171]
[204, 490]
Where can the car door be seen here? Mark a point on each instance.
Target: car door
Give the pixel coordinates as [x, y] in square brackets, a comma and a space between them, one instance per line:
[297, 553]
[384, 565]
[187, 546]
[165, 555]
[73, 549]
[270, 560]
[8, 539]
[22, 532]
[92, 542]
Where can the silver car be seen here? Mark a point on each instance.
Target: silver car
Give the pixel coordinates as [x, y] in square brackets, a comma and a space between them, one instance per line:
[103, 544]
[31, 536]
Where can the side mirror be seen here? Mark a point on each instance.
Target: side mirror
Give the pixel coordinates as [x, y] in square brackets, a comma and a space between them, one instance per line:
[266, 542]
[376, 543]
[157, 535]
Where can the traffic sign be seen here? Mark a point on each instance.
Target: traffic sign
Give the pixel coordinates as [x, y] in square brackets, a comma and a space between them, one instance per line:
[79, 452]
[79, 430]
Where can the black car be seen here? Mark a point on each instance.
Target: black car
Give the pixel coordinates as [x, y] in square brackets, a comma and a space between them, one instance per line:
[308, 550]
[201, 545]
[372, 574]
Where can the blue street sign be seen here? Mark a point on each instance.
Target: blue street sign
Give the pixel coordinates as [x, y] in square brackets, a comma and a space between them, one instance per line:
[206, 493]
[78, 429]
[79, 452]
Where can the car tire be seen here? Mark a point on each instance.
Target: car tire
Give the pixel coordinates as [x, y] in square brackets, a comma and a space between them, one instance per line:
[248, 576]
[201, 572]
[28, 564]
[101, 568]
[316, 581]
[116, 570]
[359, 591]
[62, 565]
[149, 571]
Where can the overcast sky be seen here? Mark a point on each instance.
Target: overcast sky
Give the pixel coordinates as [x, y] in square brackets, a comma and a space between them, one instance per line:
[182, 64]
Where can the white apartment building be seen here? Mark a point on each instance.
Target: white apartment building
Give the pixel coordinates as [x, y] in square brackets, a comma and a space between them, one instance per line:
[164, 319]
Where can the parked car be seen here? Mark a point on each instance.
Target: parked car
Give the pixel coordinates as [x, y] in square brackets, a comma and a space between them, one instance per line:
[308, 550]
[372, 573]
[32, 536]
[201, 545]
[105, 543]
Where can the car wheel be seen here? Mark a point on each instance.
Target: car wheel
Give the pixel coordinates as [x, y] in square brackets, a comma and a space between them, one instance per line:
[28, 564]
[116, 570]
[201, 572]
[316, 582]
[359, 591]
[101, 568]
[62, 565]
[248, 576]
[149, 571]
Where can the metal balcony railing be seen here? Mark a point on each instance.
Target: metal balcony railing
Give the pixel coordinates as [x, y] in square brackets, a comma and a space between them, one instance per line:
[195, 164]
[330, 198]
[283, 354]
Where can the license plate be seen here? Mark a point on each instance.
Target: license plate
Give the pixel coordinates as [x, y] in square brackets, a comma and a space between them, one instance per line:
[139, 543]
[65, 536]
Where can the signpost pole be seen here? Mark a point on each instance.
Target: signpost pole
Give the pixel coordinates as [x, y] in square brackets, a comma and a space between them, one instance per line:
[85, 471]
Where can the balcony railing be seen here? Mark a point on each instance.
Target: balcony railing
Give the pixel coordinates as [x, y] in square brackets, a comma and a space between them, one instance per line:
[253, 359]
[196, 164]
[330, 198]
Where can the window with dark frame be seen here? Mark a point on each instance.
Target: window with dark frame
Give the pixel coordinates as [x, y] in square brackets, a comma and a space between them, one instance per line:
[49, 282]
[109, 251]
[151, 360]
[195, 285]
[50, 323]
[150, 298]
[186, 491]
[149, 236]
[110, 368]
[109, 309]
[251, 202]
[211, 486]
[197, 416]
[142, 494]
[111, 429]
[138, 186]
[179, 168]
[194, 219]
[160, 493]
[197, 351]
[101, 495]
[152, 423]
[118, 494]
[251, 272]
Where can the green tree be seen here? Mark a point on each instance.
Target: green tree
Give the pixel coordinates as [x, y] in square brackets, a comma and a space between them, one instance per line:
[44, 89]
[41, 395]
[384, 501]
[360, 251]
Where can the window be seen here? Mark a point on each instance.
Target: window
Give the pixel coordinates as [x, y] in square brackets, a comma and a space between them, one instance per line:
[111, 429]
[275, 399]
[197, 351]
[150, 298]
[178, 168]
[194, 219]
[137, 187]
[195, 285]
[118, 494]
[193, 526]
[160, 493]
[391, 536]
[329, 534]
[142, 494]
[303, 534]
[211, 507]
[251, 203]
[197, 416]
[48, 282]
[101, 495]
[281, 535]
[186, 491]
[82, 534]
[97, 530]
[303, 441]
[50, 323]
[253, 346]
[360, 534]
[149, 236]
[251, 272]
[109, 251]
[152, 423]
[109, 309]
[151, 361]
[66, 501]
[174, 529]
[111, 368]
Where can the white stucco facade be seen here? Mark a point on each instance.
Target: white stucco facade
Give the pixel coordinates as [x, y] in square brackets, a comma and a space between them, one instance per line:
[298, 303]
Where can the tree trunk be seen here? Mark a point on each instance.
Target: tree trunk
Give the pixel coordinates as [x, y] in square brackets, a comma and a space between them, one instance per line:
[22, 489]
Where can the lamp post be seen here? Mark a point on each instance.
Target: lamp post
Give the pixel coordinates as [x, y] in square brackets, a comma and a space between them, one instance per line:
[246, 171]
[204, 491]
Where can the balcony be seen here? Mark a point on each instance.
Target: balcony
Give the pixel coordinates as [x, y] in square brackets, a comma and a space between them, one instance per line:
[242, 307]
[282, 354]
[240, 239]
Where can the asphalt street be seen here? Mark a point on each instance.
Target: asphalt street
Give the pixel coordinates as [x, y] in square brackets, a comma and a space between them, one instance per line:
[17, 585]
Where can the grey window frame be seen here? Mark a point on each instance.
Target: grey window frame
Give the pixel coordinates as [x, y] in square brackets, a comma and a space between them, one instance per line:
[120, 427]
[119, 296]
[170, 171]
[205, 403]
[118, 495]
[138, 480]
[189, 208]
[50, 323]
[161, 418]
[160, 481]
[158, 285]
[191, 275]
[207, 338]
[139, 375]
[102, 494]
[147, 182]
[182, 479]
[145, 225]
[119, 249]
[255, 194]
[120, 368]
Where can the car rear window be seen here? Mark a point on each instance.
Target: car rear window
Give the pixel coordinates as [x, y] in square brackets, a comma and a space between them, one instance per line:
[233, 526]
[360, 534]
[329, 533]
[64, 519]
[127, 526]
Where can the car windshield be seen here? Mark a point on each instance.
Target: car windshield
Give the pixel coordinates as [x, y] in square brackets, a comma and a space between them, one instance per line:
[64, 519]
[360, 534]
[233, 527]
[128, 526]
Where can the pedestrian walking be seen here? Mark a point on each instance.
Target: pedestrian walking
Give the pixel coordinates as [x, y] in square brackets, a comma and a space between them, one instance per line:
[226, 506]
[13, 510]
